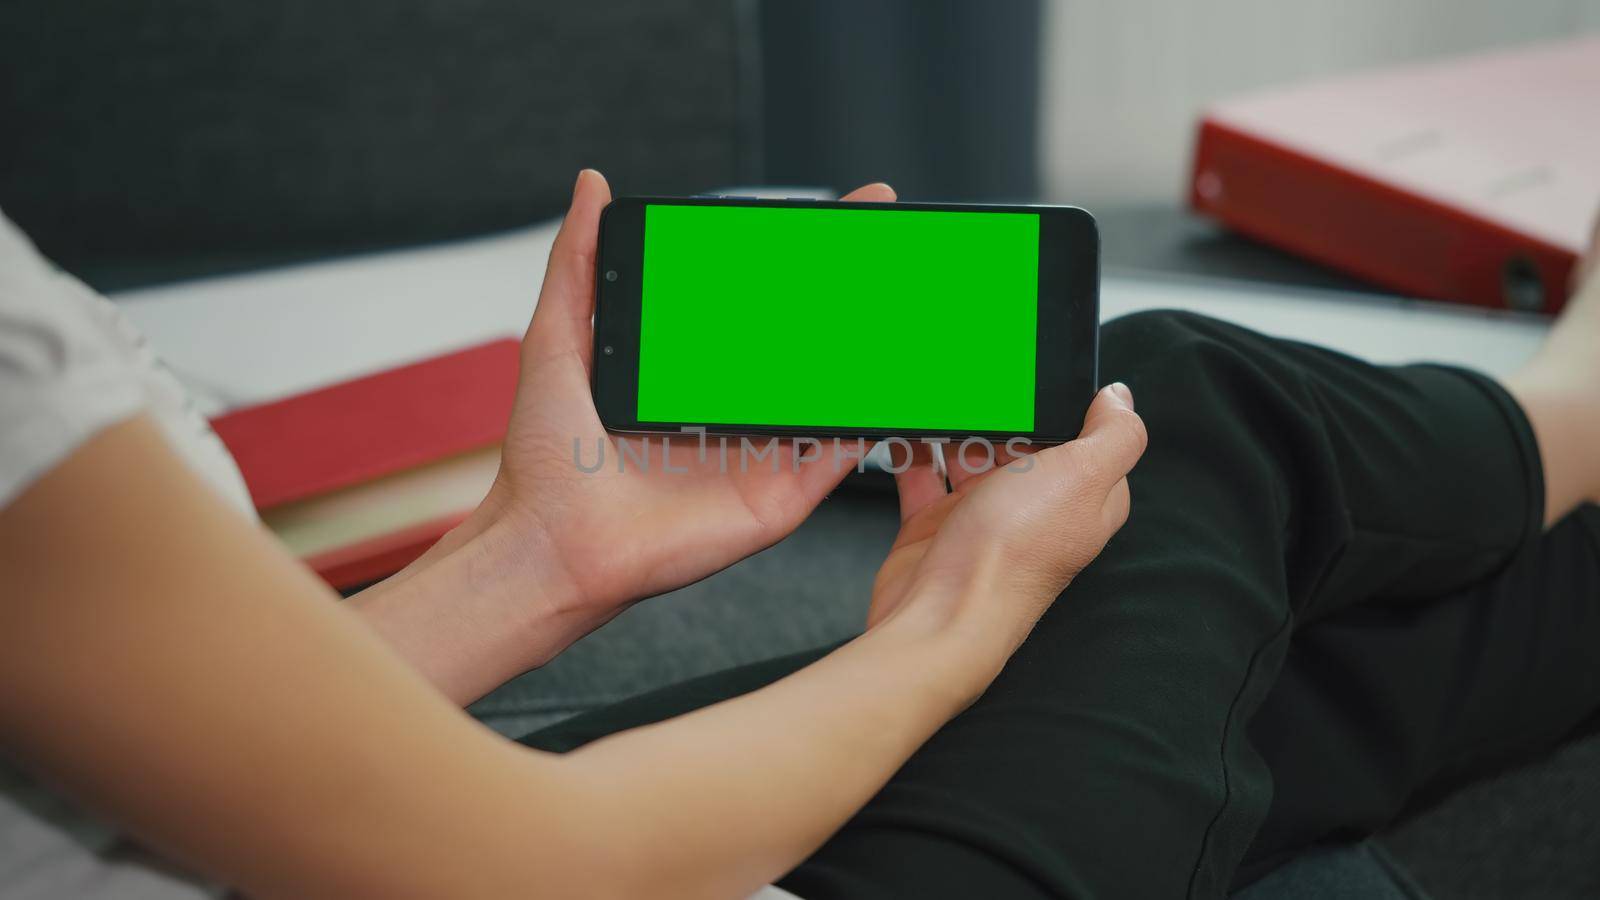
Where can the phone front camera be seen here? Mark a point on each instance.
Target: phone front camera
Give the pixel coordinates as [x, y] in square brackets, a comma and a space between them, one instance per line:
[611, 275]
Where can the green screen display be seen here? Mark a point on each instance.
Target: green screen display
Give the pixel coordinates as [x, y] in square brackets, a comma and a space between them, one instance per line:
[831, 317]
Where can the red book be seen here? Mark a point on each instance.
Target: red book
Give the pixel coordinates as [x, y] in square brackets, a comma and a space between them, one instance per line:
[1474, 180]
[361, 477]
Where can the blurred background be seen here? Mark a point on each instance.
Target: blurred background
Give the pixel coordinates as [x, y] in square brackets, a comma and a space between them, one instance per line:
[148, 142]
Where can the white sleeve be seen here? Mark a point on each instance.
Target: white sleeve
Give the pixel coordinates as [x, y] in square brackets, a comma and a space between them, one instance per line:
[61, 380]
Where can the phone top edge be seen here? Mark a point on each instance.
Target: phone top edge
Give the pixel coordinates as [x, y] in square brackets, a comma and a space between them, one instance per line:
[805, 203]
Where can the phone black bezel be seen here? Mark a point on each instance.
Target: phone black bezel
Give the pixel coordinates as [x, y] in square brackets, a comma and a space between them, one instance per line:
[1067, 355]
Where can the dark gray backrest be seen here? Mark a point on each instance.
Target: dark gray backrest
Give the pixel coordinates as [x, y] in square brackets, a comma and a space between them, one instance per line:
[144, 141]
[940, 97]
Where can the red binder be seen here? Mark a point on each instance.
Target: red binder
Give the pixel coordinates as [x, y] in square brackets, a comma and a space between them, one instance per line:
[361, 477]
[1474, 180]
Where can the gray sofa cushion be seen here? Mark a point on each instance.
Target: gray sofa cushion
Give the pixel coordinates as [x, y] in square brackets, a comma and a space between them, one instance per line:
[1362, 871]
[146, 142]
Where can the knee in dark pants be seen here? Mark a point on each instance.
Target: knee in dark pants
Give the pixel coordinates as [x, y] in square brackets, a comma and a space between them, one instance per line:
[1184, 368]
[1217, 400]
[1138, 340]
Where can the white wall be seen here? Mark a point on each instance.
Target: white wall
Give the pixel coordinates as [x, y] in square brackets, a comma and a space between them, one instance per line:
[1124, 80]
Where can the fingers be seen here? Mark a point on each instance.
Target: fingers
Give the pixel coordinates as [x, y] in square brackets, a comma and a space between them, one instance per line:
[824, 464]
[921, 483]
[1117, 506]
[966, 462]
[969, 465]
[1112, 440]
[877, 192]
[1113, 435]
[563, 320]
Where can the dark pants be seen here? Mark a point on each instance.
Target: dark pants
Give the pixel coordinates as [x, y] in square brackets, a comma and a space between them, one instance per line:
[1333, 591]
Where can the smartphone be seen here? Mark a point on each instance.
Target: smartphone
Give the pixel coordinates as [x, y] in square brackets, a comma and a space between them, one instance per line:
[814, 318]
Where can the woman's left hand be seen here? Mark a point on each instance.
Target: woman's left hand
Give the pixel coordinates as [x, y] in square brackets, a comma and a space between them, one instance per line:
[623, 532]
[555, 551]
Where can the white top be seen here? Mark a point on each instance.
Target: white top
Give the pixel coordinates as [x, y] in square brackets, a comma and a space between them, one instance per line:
[70, 366]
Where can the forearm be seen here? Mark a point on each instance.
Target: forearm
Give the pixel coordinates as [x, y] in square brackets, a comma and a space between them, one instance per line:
[720, 801]
[234, 716]
[479, 608]
[725, 799]
[713, 803]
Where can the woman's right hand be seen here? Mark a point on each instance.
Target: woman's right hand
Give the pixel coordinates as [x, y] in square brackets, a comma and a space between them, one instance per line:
[983, 562]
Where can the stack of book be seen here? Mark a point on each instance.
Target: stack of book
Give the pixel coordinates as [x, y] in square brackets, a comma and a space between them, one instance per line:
[360, 478]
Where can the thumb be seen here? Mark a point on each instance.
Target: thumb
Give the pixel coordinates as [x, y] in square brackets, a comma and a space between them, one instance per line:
[1111, 442]
[563, 320]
